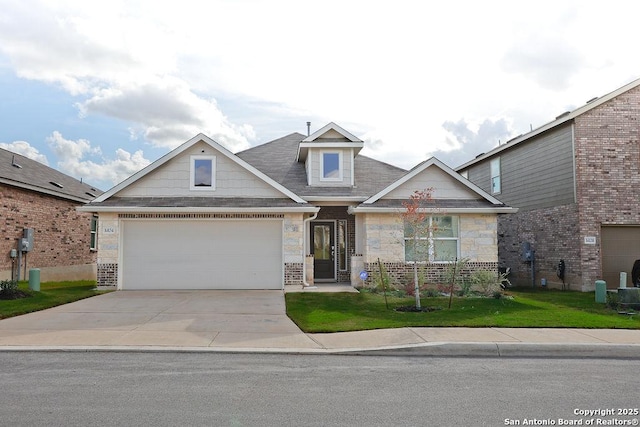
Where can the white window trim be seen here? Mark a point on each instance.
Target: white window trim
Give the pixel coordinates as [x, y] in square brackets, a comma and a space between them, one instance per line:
[192, 166]
[497, 175]
[94, 233]
[340, 166]
[431, 241]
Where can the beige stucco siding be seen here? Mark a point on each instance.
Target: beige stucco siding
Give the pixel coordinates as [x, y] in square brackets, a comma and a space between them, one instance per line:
[444, 187]
[172, 179]
[384, 237]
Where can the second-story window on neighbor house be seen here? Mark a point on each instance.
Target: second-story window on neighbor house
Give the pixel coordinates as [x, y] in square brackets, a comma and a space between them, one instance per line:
[330, 162]
[203, 169]
[495, 176]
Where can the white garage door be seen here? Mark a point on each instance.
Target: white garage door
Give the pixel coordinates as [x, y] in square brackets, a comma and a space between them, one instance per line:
[202, 254]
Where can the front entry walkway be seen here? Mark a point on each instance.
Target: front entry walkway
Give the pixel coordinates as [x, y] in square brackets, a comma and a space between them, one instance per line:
[225, 319]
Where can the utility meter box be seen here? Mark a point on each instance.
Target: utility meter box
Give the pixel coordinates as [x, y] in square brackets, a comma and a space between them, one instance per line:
[527, 253]
[26, 244]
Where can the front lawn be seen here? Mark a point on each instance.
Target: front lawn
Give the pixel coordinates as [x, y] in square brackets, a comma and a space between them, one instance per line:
[51, 294]
[326, 312]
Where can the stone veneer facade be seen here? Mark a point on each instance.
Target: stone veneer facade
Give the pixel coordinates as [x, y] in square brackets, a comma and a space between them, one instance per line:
[385, 241]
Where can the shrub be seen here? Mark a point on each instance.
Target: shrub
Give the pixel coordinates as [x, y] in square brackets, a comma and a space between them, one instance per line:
[486, 282]
[9, 289]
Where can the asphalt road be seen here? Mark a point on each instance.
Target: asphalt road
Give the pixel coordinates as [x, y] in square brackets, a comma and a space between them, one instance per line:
[214, 389]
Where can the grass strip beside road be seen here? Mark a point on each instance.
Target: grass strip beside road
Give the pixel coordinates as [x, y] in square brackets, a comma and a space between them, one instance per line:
[339, 312]
[51, 294]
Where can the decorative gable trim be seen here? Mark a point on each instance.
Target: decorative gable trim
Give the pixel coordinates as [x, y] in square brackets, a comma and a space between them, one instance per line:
[435, 163]
[315, 140]
[332, 126]
[182, 148]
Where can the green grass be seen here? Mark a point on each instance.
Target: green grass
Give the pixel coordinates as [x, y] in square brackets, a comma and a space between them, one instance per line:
[319, 312]
[51, 294]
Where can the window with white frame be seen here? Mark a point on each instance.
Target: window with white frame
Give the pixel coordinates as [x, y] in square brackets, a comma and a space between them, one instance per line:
[496, 186]
[203, 172]
[437, 239]
[331, 166]
[93, 241]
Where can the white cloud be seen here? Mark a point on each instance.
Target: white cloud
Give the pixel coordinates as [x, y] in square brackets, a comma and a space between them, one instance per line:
[25, 149]
[167, 113]
[71, 160]
[390, 73]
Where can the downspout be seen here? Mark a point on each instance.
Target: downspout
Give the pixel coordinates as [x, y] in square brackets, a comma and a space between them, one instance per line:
[306, 221]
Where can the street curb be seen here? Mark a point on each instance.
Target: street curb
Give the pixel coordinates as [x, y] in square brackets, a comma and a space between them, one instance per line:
[513, 350]
[435, 350]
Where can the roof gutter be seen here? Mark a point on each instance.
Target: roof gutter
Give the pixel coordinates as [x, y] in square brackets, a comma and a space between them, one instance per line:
[496, 210]
[139, 209]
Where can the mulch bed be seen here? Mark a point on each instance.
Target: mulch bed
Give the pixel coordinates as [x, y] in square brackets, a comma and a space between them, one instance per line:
[413, 309]
[17, 294]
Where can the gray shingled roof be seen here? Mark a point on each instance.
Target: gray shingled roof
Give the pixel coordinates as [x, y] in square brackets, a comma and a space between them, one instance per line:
[277, 159]
[35, 176]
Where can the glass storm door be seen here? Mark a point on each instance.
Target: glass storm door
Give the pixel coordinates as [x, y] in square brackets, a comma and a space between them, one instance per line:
[323, 249]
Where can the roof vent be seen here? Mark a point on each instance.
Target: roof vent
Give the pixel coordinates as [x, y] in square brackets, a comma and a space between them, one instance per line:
[481, 154]
[308, 128]
[14, 164]
[592, 99]
[566, 113]
[55, 184]
[89, 194]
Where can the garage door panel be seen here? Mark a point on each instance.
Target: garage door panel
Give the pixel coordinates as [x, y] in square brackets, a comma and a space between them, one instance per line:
[189, 254]
[620, 248]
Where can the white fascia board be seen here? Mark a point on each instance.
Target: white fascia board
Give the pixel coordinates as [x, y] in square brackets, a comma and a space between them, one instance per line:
[357, 199]
[303, 147]
[424, 165]
[332, 126]
[497, 210]
[139, 209]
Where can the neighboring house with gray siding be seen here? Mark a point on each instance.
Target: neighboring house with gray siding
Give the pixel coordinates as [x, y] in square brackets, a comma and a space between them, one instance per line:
[299, 210]
[576, 183]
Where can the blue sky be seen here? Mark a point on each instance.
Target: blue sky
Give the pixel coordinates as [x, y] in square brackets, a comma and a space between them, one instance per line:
[100, 89]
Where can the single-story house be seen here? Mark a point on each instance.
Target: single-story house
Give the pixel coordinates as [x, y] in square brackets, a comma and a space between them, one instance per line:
[299, 210]
[39, 224]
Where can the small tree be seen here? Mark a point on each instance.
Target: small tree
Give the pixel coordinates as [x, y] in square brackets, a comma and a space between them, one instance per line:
[416, 225]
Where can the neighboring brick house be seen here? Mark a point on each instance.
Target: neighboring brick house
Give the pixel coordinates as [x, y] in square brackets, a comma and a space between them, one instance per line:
[37, 197]
[298, 210]
[576, 183]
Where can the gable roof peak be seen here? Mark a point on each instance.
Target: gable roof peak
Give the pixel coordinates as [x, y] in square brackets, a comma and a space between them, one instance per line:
[332, 126]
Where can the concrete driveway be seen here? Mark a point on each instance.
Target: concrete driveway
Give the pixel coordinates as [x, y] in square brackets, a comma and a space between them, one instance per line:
[225, 319]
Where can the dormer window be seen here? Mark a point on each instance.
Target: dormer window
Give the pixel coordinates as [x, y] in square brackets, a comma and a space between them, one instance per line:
[203, 172]
[331, 166]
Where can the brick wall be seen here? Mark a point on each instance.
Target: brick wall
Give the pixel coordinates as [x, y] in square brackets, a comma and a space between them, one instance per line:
[607, 149]
[401, 273]
[61, 235]
[553, 234]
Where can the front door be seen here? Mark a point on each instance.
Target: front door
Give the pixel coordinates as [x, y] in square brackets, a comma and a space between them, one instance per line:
[323, 249]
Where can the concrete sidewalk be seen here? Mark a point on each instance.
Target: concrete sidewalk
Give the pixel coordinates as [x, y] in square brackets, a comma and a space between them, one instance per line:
[255, 321]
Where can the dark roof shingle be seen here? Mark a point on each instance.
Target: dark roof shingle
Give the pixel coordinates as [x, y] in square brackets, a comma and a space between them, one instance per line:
[35, 176]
